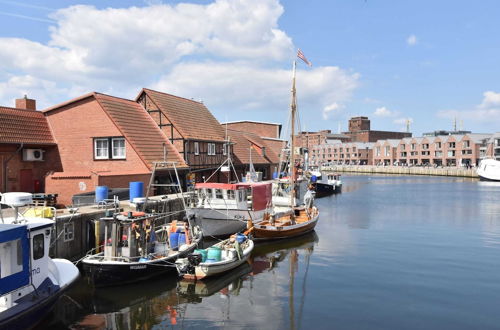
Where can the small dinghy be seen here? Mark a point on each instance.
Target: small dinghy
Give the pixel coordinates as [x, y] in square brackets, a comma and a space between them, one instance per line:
[217, 259]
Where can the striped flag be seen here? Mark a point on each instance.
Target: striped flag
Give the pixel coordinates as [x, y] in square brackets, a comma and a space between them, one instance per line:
[303, 58]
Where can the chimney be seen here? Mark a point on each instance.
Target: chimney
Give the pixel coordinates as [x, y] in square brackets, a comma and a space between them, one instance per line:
[26, 103]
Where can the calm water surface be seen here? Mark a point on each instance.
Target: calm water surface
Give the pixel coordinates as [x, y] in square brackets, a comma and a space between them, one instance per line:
[390, 252]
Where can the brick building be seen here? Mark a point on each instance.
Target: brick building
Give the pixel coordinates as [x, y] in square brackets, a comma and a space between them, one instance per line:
[360, 131]
[105, 140]
[337, 152]
[191, 128]
[28, 151]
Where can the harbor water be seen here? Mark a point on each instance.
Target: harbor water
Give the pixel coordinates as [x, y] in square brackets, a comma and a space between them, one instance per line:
[389, 252]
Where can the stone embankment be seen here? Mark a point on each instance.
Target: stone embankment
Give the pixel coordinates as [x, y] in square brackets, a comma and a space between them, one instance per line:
[404, 170]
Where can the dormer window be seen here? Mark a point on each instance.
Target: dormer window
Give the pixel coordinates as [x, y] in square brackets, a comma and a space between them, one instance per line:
[109, 148]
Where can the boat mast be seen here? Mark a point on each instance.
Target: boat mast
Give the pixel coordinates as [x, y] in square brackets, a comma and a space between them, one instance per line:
[293, 108]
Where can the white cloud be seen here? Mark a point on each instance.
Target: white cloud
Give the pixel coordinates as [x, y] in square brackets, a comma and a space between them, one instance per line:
[384, 112]
[230, 53]
[412, 40]
[329, 108]
[485, 112]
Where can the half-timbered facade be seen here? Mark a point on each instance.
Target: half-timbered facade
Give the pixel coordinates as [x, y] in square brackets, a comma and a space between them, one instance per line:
[190, 127]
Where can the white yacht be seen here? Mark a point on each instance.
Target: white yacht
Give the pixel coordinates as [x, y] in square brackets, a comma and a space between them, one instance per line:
[489, 170]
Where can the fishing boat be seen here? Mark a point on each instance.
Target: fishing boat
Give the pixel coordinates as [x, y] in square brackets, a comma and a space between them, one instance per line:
[217, 259]
[326, 184]
[294, 219]
[136, 248]
[221, 209]
[30, 281]
[489, 170]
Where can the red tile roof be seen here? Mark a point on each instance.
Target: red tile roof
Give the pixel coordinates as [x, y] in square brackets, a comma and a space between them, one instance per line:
[136, 125]
[24, 126]
[192, 119]
[139, 129]
[241, 149]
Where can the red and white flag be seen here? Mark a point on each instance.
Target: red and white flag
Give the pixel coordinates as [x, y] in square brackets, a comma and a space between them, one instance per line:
[303, 58]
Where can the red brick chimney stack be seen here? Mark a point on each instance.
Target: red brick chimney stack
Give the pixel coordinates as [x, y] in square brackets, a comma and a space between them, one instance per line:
[26, 103]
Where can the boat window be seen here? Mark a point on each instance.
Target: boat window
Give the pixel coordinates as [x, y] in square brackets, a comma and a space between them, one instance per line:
[218, 194]
[11, 258]
[230, 194]
[38, 246]
[209, 192]
[240, 195]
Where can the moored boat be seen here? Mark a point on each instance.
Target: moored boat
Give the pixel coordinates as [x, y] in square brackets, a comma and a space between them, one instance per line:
[30, 281]
[221, 257]
[489, 170]
[221, 209]
[136, 248]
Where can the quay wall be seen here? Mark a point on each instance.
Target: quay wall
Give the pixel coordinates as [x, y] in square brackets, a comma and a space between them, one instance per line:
[75, 234]
[404, 170]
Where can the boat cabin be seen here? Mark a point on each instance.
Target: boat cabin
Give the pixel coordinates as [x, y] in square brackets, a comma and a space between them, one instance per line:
[236, 196]
[20, 270]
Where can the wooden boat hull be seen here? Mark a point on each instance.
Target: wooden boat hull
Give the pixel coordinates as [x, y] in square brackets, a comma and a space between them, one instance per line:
[269, 232]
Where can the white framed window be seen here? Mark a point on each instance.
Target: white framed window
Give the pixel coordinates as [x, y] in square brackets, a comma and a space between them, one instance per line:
[211, 149]
[118, 147]
[196, 148]
[224, 149]
[101, 148]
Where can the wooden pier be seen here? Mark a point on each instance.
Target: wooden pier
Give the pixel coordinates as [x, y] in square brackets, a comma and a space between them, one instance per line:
[404, 170]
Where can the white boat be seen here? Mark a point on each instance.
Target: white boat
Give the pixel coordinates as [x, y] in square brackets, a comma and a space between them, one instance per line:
[233, 252]
[30, 281]
[222, 209]
[489, 170]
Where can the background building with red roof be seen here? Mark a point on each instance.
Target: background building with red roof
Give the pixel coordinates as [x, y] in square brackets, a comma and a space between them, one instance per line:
[28, 152]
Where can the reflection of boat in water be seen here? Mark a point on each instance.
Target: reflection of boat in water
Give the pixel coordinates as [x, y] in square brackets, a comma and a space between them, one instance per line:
[194, 291]
[136, 306]
[267, 254]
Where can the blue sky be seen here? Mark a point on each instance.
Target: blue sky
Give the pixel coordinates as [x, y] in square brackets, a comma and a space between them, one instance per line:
[424, 61]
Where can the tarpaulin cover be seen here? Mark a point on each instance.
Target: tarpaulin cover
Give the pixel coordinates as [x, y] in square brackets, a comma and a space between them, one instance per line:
[261, 196]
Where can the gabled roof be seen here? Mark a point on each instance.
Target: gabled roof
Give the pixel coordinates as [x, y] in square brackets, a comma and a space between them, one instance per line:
[241, 149]
[136, 125]
[24, 126]
[192, 119]
[478, 137]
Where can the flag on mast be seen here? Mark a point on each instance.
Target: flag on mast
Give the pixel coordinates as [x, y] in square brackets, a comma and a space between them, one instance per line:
[303, 58]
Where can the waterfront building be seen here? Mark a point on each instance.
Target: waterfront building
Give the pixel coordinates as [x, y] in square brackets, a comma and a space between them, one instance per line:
[27, 149]
[441, 150]
[337, 152]
[493, 147]
[104, 140]
[191, 128]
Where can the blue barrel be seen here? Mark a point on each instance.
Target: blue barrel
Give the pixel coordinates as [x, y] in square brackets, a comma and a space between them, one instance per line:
[314, 178]
[203, 253]
[101, 193]
[214, 253]
[136, 190]
[240, 238]
[174, 240]
[182, 239]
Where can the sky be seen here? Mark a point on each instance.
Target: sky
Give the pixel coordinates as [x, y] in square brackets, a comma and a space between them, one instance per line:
[435, 64]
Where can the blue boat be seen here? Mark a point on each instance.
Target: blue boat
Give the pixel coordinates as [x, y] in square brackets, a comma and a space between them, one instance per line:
[30, 281]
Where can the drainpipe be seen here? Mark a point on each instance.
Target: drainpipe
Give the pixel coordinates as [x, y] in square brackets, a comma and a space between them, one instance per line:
[4, 166]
